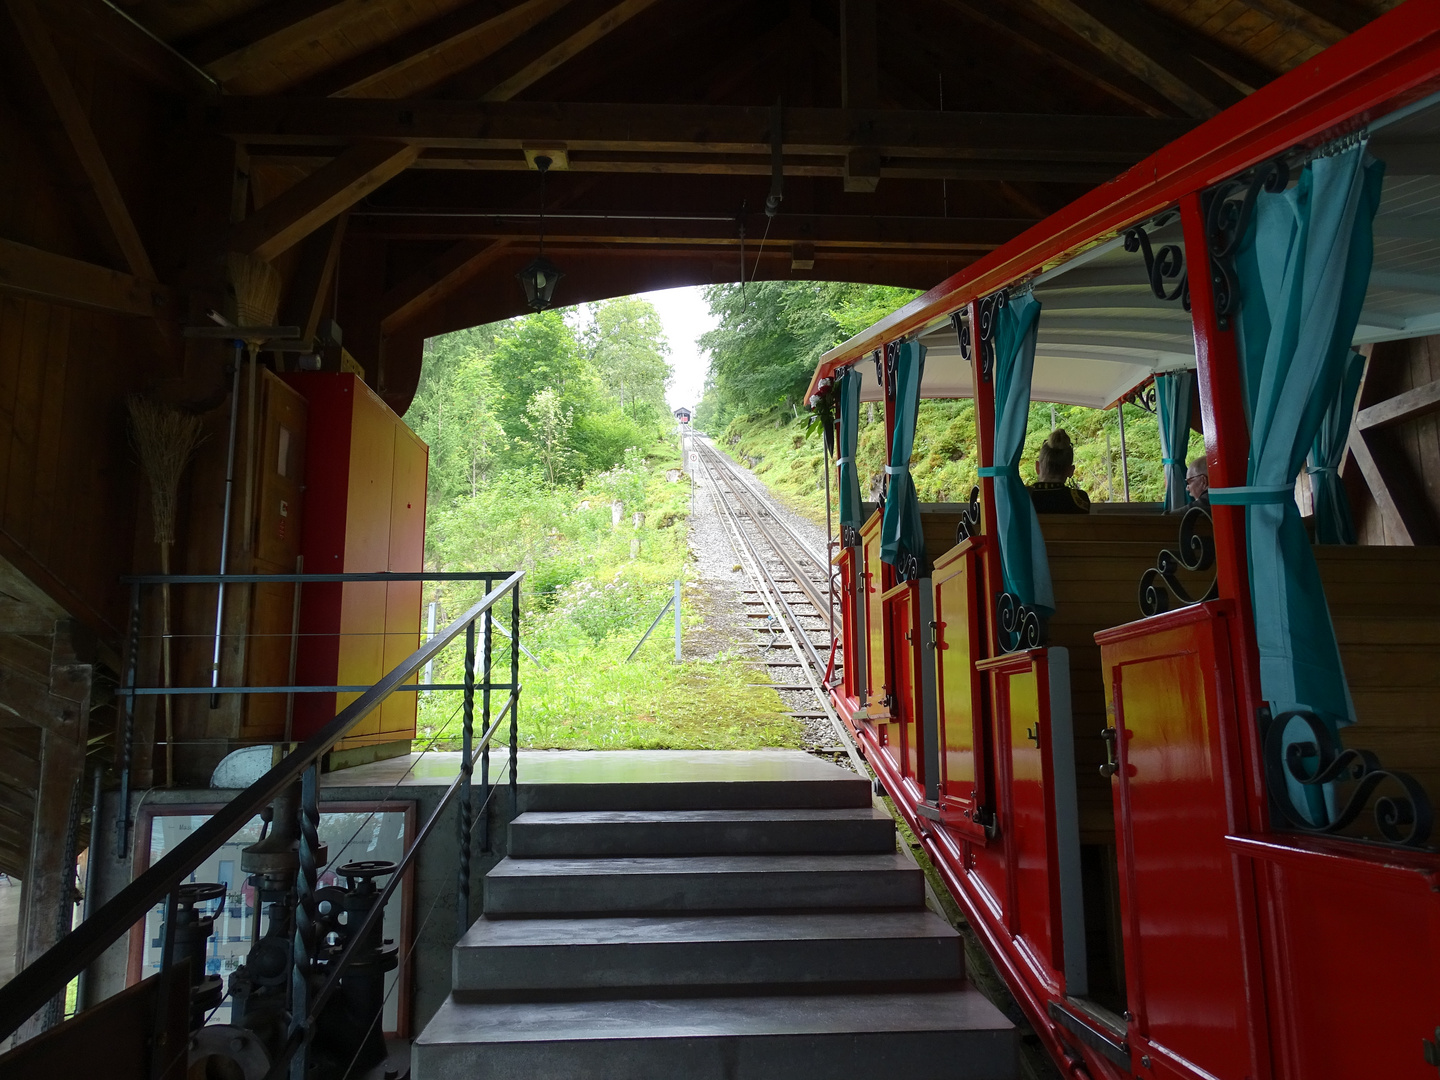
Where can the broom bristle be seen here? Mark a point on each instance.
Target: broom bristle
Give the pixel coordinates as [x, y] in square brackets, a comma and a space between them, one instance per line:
[164, 438]
[256, 285]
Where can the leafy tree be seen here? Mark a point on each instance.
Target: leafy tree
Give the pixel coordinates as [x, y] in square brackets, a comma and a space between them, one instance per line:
[549, 424]
[772, 334]
[626, 342]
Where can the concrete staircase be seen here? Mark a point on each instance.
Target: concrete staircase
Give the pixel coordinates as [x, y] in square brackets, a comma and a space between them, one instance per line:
[731, 934]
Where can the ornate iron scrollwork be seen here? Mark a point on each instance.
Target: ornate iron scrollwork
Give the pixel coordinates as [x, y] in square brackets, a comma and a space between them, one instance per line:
[1162, 267]
[1021, 627]
[908, 569]
[879, 368]
[969, 517]
[892, 362]
[1197, 554]
[1143, 398]
[1405, 818]
[989, 309]
[962, 334]
[1226, 220]
[849, 536]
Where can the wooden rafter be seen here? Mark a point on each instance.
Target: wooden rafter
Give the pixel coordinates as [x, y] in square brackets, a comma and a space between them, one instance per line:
[436, 280]
[546, 48]
[705, 129]
[1127, 34]
[32, 272]
[310, 284]
[284, 221]
[108, 28]
[429, 54]
[1410, 405]
[850, 230]
[1066, 54]
[1322, 21]
[270, 32]
[81, 135]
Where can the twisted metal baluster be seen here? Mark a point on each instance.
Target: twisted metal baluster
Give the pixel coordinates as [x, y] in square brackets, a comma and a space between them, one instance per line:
[515, 689]
[305, 884]
[125, 705]
[465, 812]
[489, 648]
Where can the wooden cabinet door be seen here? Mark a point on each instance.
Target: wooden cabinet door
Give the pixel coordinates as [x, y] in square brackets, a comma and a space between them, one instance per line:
[902, 629]
[874, 615]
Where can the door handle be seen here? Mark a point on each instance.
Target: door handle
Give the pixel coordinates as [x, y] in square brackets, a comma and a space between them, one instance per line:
[1111, 766]
[1033, 734]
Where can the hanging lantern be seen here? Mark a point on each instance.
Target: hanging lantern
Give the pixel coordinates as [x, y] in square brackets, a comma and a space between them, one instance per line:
[540, 277]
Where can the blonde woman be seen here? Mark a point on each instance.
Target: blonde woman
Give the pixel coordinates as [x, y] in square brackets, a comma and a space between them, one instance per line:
[1054, 490]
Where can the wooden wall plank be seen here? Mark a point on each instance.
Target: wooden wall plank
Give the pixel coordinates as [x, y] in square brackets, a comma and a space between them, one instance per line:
[49, 447]
[17, 517]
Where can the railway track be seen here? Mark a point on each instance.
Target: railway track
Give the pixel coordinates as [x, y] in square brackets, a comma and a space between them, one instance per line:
[790, 586]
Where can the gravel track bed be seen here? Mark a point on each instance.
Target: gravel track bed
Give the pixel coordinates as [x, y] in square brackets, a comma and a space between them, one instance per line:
[720, 592]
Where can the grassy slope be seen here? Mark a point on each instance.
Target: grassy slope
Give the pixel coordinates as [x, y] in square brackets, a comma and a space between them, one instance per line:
[591, 590]
[786, 453]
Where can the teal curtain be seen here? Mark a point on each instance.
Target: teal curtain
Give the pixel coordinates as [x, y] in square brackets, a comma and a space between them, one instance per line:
[1333, 523]
[1023, 563]
[1173, 394]
[849, 440]
[1303, 269]
[901, 532]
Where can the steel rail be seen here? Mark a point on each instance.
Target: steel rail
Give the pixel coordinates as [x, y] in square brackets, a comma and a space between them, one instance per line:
[818, 597]
[33, 986]
[775, 601]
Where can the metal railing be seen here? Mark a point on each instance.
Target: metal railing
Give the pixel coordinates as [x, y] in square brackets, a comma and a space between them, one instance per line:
[33, 987]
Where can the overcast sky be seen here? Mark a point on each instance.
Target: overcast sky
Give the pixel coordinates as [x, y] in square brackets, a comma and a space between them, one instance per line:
[686, 316]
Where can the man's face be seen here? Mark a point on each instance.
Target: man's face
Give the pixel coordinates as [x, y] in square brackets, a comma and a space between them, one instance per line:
[1197, 483]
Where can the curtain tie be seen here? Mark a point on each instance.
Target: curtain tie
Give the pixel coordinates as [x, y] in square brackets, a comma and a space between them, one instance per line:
[1172, 461]
[1318, 469]
[844, 460]
[997, 470]
[1252, 495]
[896, 470]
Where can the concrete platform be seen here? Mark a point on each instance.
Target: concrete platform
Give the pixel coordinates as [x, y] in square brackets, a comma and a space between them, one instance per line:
[703, 883]
[637, 779]
[570, 955]
[597, 833]
[947, 1035]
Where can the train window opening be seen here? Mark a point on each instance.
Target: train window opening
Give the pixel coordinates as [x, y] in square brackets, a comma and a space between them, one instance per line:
[1368, 508]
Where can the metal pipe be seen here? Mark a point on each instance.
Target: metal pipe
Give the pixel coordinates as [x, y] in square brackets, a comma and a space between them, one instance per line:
[1124, 462]
[676, 605]
[225, 527]
[126, 719]
[515, 699]
[295, 648]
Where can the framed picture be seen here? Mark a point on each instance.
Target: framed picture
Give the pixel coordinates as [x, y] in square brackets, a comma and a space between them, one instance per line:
[352, 831]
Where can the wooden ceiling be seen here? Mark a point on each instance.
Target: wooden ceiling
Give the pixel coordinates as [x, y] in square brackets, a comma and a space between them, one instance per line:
[385, 146]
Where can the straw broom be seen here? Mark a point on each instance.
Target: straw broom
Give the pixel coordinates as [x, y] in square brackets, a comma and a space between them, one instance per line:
[255, 285]
[164, 439]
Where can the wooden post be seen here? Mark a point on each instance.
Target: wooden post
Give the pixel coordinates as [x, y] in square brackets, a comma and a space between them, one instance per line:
[48, 888]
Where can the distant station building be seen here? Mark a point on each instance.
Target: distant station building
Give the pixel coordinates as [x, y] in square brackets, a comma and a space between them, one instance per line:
[683, 415]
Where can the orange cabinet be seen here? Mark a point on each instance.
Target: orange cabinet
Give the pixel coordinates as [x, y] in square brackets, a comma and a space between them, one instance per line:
[365, 501]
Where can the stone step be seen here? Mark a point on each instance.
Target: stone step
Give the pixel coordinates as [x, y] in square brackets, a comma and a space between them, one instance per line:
[520, 955]
[957, 1035]
[737, 883]
[596, 833]
[846, 790]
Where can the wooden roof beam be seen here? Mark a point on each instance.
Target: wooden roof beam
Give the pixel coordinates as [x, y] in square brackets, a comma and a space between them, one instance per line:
[286, 220]
[1322, 21]
[269, 32]
[442, 276]
[1128, 34]
[1066, 54]
[426, 56]
[716, 129]
[550, 45]
[76, 123]
[32, 272]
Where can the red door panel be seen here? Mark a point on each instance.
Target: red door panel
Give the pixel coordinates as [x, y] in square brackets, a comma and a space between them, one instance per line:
[1181, 891]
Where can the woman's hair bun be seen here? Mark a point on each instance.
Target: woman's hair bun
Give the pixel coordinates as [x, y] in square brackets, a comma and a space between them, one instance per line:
[1059, 439]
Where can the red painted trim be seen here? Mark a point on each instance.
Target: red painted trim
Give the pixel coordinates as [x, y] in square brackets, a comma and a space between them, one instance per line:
[1387, 64]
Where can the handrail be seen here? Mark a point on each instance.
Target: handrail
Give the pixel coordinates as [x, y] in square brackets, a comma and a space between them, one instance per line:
[32, 987]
